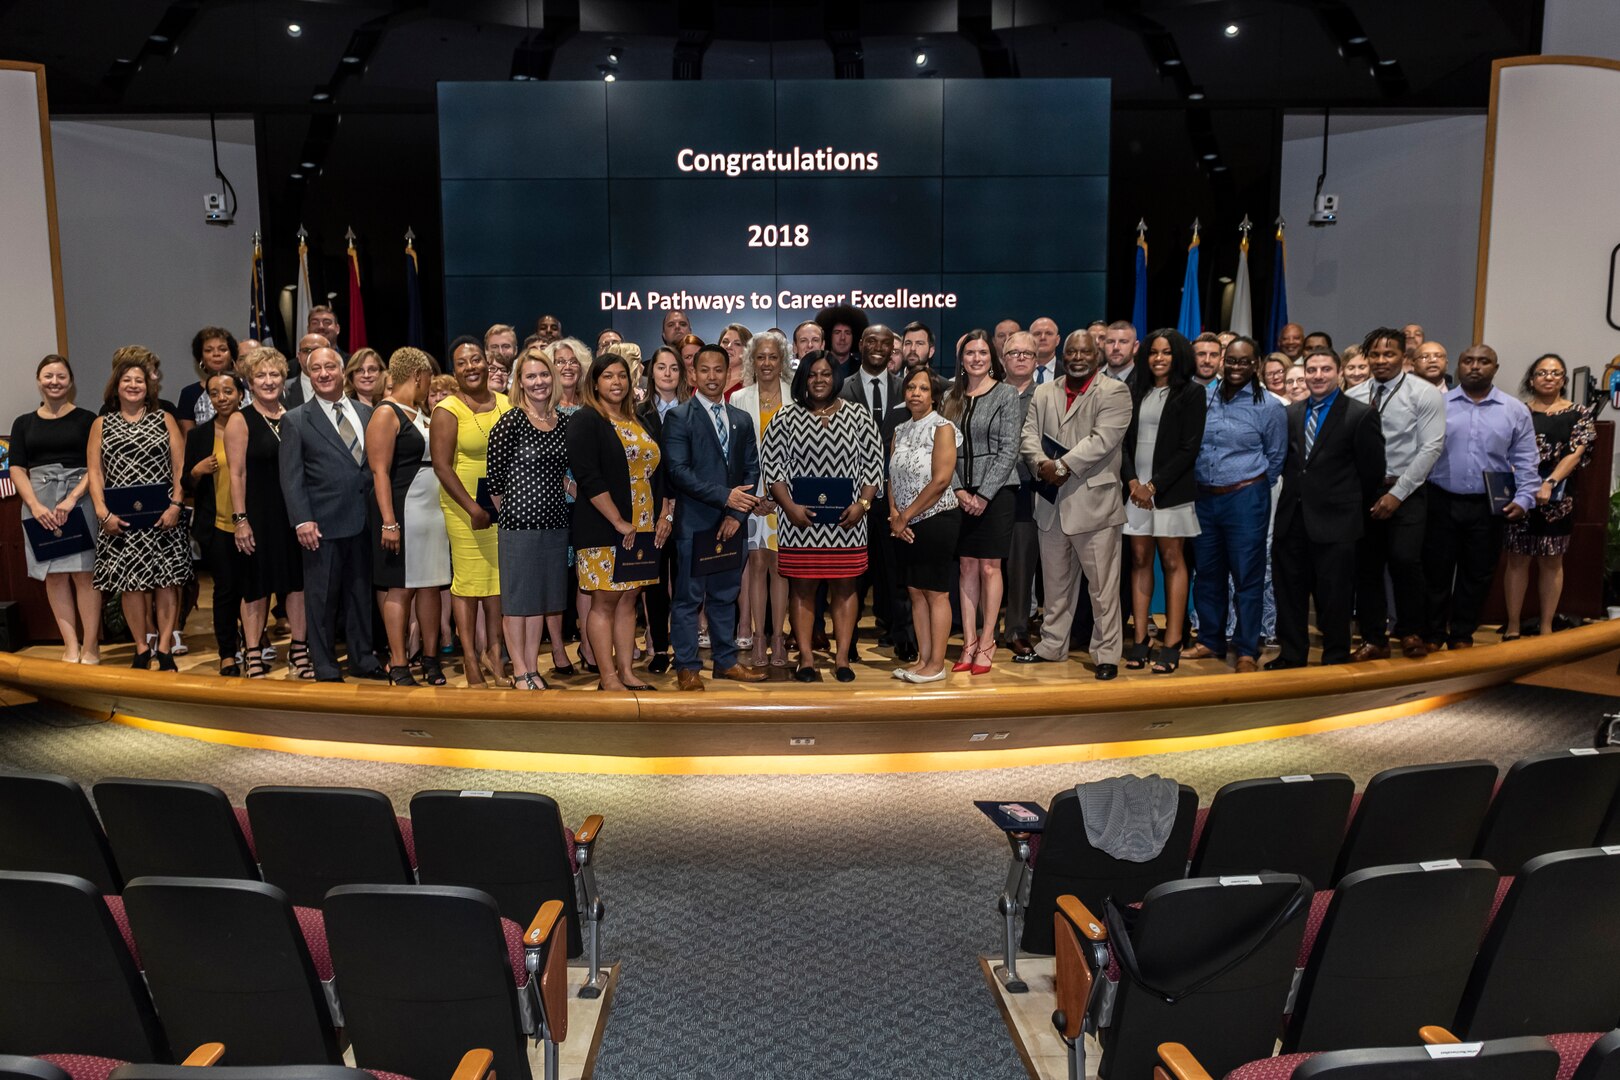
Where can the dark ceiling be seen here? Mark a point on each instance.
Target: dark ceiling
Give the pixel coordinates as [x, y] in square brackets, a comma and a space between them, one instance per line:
[1195, 131]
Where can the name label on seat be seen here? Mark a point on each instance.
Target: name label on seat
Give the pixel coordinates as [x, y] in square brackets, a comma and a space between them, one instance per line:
[1441, 864]
[1454, 1050]
[1299, 779]
[1241, 879]
[477, 794]
[1611, 849]
[1583, 751]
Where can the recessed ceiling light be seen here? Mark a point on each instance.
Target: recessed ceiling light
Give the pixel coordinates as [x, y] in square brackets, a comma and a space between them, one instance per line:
[294, 29]
[297, 175]
[1219, 168]
[613, 57]
[1388, 63]
[158, 39]
[1195, 94]
[1359, 39]
[1211, 157]
[921, 59]
[1231, 29]
[320, 95]
[1173, 62]
[307, 164]
[351, 59]
[520, 78]
[608, 76]
[123, 60]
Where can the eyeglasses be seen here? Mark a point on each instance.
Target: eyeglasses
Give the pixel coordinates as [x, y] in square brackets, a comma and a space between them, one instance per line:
[1020, 354]
[1549, 373]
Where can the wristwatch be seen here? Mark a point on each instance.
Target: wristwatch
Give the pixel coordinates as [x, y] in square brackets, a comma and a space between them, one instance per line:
[670, 518]
[1062, 469]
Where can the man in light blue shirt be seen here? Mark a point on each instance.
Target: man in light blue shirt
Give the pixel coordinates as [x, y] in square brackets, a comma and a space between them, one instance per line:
[1245, 444]
[1486, 432]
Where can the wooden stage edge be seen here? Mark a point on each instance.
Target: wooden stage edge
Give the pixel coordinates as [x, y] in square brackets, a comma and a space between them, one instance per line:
[870, 726]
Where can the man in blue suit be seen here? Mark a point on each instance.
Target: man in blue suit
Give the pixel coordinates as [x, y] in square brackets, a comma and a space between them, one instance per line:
[712, 463]
[327, 486]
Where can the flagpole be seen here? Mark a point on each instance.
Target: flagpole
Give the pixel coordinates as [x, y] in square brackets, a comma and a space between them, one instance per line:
[1277, 318]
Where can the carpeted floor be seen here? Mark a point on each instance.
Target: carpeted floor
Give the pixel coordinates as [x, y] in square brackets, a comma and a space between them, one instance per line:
[809, 926]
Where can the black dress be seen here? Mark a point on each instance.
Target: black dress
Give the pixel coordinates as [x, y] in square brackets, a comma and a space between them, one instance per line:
[388, 567]
[277, 563]
[1546, 530]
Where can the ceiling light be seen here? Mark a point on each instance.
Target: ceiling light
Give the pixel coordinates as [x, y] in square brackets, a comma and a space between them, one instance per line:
[1173, 62]
[1359, 39]
[1211, 157]
[123, 60]
[520, 78]
[351, 59]
[1231, 29]
[1219, 168]
[307, 164]
[1224, 280]
[294, 29]
[320, 95]
[1387, 63]
[158, 39]
[921, 59]
[297, 175]
[1195, 94]
[613, 57]
[608, 76]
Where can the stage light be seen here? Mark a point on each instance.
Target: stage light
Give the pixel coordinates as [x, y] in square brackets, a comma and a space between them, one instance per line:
[608, 76]
[296, 176]
[320, 95]
[921, 59]
[294, 29]
[1231, 29]
[1195, 94]
[158, 39]
[1359, 39]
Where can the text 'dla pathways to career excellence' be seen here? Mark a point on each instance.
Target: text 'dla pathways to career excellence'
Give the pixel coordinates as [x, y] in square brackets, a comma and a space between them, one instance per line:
[898, 298]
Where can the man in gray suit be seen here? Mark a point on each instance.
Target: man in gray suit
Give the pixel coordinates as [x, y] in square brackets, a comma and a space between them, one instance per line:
[327, 487]
[1086, 415]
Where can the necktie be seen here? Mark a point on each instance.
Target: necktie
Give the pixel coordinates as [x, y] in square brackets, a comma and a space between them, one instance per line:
[877, 404]
[1378, 397]
[347, 434]
[1040, 374]
[1313, 420]
[721, 431]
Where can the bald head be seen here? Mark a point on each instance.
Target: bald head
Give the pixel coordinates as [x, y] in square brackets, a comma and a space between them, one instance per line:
[325, 370]
[1291, 341]
[1045, 333]
[307, 346]
[1476, 370]
[1430, 363]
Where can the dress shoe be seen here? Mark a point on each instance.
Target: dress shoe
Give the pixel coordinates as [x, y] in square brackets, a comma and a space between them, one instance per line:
[1021, 645]
[906, 652]
[1030, 657]
[844, 674]
[1202, 652]
[688, 679]
[1369, 651]
[807, 674]
[742, 673]
[1247, 664]
[1460, 643]
[657, 665]
[1413, 647]
[1105, 672]
[1281, 664]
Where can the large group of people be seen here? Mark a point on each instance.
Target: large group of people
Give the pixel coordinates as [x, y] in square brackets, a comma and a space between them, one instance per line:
[753, 495]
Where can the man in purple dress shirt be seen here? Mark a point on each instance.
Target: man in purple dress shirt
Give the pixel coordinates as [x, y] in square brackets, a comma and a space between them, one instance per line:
[1486, 432]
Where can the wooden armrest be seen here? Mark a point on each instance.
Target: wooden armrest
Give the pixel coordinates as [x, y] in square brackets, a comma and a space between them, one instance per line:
[587, 832]
[206, 1054]
[1084, 921]
[1435, 1035]
[545, 921]
[1181, 1062]
[475, 1065]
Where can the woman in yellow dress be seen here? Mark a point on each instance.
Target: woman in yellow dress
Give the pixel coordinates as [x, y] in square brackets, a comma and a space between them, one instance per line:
[459, 444]
[618, 472]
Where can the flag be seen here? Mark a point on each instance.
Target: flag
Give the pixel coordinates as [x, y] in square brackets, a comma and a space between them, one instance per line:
[357, 308]
[1139, 308]
[301, 308]
[1242, 306]
[413, 295]
[1191, 322]
[258, 306]
[1279, 292]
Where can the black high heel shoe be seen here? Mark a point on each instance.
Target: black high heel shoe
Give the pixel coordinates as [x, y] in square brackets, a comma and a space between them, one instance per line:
[659, 663]
[1137, 656]
[142, 661]
[432, 673]
[165, 662]
[401, 676]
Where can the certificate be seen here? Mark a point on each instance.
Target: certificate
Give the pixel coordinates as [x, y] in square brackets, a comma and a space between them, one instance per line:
[638, 563]
[72, 537]
[139, 505]
[484, 499]
[712, 555]
[826, 497]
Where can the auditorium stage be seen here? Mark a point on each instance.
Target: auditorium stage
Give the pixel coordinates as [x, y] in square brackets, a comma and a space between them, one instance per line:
[1015, 716]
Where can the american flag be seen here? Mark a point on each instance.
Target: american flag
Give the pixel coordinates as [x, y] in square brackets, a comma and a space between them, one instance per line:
[1614, 391]
[7, 488]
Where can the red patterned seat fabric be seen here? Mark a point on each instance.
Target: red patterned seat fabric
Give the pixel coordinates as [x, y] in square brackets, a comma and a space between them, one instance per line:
[378, 1075]
[1313, 925]
[115, 906]
[313, 926]
[1355, 804]
[1280, 1067]
[1198, 830]
[407, 832]
[83, 1066]
[1572, 1047]
[514, 952]
[1503, 885]
[246, 826]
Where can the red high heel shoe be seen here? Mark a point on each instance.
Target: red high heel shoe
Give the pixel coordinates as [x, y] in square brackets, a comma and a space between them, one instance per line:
[966, 662]
[984, 669]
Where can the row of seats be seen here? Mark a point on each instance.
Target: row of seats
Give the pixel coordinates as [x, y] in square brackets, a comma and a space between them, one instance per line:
[424, 972]
[1212, 963]
[1318, 827]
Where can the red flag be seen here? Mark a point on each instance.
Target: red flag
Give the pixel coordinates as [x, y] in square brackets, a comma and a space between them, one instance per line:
[357, 307]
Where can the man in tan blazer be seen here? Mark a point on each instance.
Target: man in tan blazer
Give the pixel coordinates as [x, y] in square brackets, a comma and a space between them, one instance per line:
[1086, 414]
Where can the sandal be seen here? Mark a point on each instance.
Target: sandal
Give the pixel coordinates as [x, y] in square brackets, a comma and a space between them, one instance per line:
[965, 661]
[432, 673]
[401, 676]
[1137, 656]
[257, 666]
[1511, 637]
[1168, 660]
[535, 681]
[229, 669]
[638, 686]
[298, 660]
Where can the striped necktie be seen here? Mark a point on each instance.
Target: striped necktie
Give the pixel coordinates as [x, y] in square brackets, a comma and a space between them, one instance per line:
[346, 432]
[1313, 420]
[721, 431]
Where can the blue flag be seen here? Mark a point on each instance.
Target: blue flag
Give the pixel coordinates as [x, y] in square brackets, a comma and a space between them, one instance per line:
[1191, 322]
[1139, 309]
[1279, 294]
[413, 297]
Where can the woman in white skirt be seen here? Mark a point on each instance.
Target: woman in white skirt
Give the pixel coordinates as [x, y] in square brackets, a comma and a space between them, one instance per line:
[763, 606]
[48, 465]
[1161, 446]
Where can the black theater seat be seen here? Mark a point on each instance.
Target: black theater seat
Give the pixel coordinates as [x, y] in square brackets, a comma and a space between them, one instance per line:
[474, 1065]
[1593, 1055]
[47, 825]
[312, 839]
[1503, 1059]
[13, 1067]
[1418, 813]
[173, 828]
[1549, 802]
[1285, 825]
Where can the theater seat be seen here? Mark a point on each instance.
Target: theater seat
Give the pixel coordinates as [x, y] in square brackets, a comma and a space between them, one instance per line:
[474, 1065]
[83, 1066]
[13, 1067]
[173, 828]
[1284, 825]
[313, 839]
[1505, 1059]
[47, 825]
[1417, 813]
[1549, 802]
[1591, 1055]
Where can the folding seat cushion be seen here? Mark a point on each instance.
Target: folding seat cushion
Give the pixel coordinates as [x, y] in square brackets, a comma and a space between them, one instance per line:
[474, 1066]
[1551, 958]
[1549, 802]
[1592, 1055]
[1418, 813]
[1393, 951]
[47, 825]
[1505, 1059]
[312, 839]
[1283, 825]
[67, 980]
[1069, 864]
[13, 1067]
[82, 1066]
[173, 828]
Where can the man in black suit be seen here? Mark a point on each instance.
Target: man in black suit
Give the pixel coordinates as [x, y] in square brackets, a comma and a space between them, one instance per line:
[874, 389]
[327, 486]
[1335, 466]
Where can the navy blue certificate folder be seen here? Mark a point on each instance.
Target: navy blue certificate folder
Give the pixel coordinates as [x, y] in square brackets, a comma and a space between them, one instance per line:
[826, 497]
[1500, 488]
[1054, 450]
[139, 505]
[72, 538]
[638, 563]
[487, 501]
[712, 555]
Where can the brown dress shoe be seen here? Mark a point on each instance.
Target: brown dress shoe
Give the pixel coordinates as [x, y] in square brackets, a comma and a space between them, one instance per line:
[688, 680]
[1369, 651]
[1199, 652]
[742, 673]
[1413, 648]
[1247, 664]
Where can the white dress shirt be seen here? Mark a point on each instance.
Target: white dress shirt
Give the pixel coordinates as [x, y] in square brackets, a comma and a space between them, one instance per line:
[1050, 368]
[349, 410]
